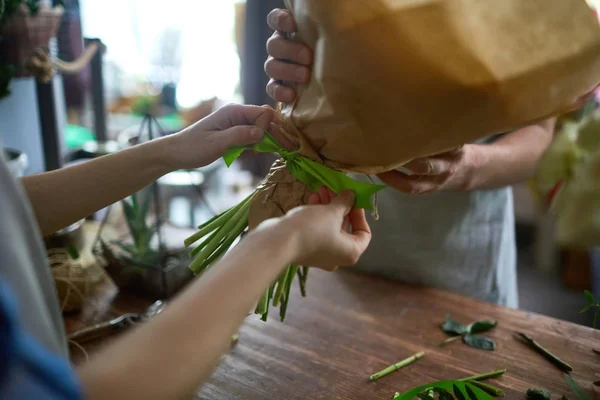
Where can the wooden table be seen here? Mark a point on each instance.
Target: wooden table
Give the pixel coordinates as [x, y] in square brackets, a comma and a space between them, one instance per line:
[352, 325]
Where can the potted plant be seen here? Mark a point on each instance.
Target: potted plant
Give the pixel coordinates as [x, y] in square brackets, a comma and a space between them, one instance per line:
[138, 263]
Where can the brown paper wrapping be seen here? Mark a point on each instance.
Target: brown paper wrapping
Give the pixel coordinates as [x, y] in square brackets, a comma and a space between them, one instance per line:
[395, 80]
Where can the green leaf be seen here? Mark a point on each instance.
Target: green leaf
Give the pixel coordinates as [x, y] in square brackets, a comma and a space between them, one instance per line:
[338, 182]
[479, 342]
[596, 315]
[470, 393]
[589, 296]
[576, 389]
[452, 327]
[481, 326]
[449, 386]
[458, 393]
[538, 394]
[396, 396]
[586, 308]
[311, 173]
[233, 154]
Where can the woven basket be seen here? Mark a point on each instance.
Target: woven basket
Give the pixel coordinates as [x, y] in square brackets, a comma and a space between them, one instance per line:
[23, 34]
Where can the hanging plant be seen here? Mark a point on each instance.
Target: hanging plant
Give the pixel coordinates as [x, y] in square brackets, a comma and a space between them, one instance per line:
[25, 29]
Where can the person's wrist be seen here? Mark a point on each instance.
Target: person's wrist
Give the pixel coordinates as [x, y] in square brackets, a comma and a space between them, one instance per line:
[285, 234]
[476, 159]
[167, 150]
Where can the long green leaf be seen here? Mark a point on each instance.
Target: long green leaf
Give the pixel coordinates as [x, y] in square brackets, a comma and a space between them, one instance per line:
[449, 386]
[312, 173]
[589, 296]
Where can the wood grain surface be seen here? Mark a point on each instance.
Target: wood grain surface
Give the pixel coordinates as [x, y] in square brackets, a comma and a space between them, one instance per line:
[352, 325]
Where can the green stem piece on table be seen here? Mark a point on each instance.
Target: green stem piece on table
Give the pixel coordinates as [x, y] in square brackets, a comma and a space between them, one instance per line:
[397, 366]
[487, 375]
[547, 354]
[494, 391]
[450, 340]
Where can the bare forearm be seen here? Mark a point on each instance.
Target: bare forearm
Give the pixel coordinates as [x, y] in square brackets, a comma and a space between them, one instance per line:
[62, 197]
[173, 354]
[513, 158]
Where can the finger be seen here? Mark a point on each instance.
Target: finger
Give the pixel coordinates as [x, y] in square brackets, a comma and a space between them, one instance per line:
[284, 71]
[233, 115]
[410, 184]
[344, 202]
[314, 199]
[241, 135]
[346, 225]
[281, 138]
[280, 48]
[280, 93]
[281, 20]
[323, 196]
[428, 166]
[358, 220]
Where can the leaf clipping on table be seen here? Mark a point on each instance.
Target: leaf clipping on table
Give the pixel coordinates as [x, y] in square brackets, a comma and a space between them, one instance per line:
[479, 342]
[576, 389]
[538, 394]
[468, 333]
[452, 327]
[458, 389]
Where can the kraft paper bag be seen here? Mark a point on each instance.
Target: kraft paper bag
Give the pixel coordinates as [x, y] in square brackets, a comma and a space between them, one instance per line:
[395, 80]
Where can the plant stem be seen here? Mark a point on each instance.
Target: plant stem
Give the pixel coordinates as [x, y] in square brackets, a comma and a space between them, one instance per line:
[481, 377]
[280, 287]
[263, 304]
[449, 340]
[288, 285]
[240, 217]
[494, 391]
[210, 226]
[397, 366]
[549, 356]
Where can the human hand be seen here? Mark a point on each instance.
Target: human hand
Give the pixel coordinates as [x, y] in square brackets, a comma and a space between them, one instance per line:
[288, 61]
[208, 139]
[454, 170]
[330, 231]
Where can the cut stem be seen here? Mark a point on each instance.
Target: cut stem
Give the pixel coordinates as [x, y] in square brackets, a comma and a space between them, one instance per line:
[481, 377]
[547, 354]
[450, 340]
[397, 366]
[280, 286]
[494, 391]
[288, 285]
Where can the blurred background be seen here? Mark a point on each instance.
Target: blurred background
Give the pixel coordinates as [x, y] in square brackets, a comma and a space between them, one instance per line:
[161, 66]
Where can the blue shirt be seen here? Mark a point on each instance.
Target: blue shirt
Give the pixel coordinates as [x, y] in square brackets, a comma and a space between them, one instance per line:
[27, 369]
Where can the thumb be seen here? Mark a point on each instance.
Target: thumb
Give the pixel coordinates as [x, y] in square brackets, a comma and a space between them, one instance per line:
[241, 135]
[344, 202]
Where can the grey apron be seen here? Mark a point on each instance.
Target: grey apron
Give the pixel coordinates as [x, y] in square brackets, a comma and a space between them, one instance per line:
[463, 242]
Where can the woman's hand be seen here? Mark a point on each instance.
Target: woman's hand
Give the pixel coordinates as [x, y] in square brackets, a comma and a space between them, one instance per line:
[208, 139]
[288, 61]
[454, 170]
[330, 232]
